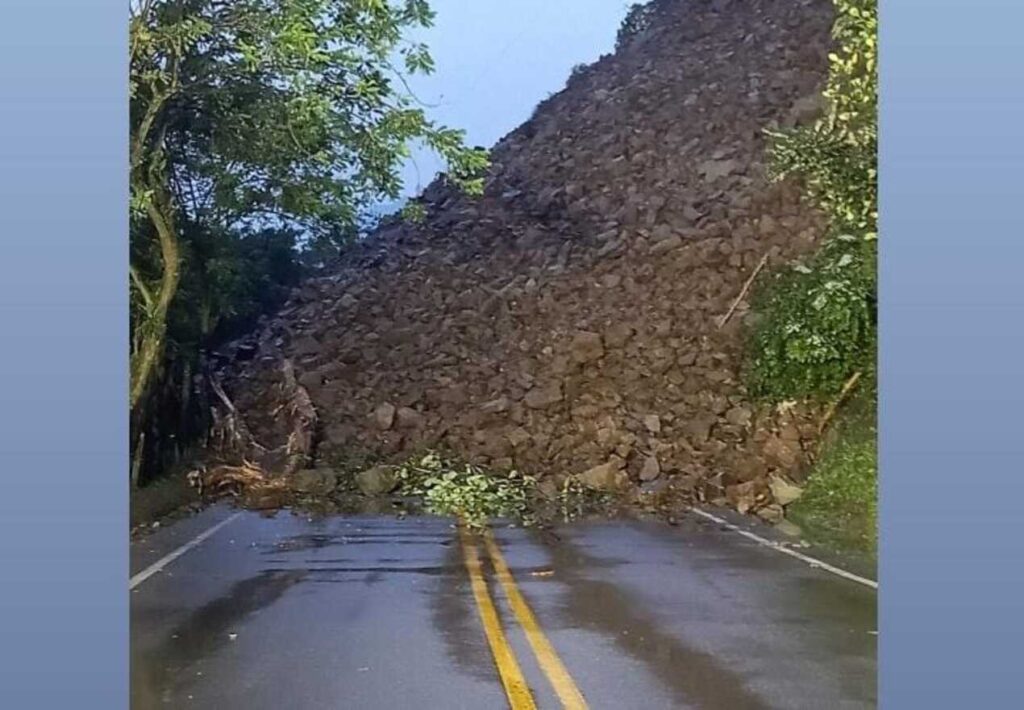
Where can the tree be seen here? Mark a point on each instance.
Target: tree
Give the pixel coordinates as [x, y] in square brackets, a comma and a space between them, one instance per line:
[255, 115]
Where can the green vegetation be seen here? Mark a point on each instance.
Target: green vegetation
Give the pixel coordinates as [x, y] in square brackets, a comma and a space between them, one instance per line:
[840, 503]
[467, 491]
[817, 322]
[475, 495]
[636, 21]
[260, 131]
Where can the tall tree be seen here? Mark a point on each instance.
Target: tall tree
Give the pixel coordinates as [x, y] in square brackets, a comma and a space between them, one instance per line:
[248, 115]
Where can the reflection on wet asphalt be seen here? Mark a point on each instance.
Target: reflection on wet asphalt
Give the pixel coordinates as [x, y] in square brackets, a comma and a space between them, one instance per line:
[375, 612]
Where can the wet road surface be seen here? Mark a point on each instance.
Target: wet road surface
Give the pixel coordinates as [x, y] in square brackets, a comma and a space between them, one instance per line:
[380, 613]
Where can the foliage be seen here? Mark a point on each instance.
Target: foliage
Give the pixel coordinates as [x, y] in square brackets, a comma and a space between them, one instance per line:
[818, 321]
[636, 21]
[467, 491]
[840, 501]
[285, 110]
[257, 128]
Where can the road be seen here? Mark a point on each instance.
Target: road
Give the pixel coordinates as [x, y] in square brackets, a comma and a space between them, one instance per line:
[379, 613]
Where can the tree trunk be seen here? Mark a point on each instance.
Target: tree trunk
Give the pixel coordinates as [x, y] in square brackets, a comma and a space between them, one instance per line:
[153, 330]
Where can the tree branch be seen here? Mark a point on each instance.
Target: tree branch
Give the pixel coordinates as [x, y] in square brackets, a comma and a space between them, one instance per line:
[147, 295]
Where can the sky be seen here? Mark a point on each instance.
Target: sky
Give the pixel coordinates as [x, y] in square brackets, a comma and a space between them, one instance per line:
[497, 59]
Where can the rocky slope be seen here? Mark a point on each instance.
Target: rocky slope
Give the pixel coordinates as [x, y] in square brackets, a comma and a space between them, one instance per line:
[568, 321]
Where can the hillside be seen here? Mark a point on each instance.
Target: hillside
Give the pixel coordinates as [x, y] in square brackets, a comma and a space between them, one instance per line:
[568, 322]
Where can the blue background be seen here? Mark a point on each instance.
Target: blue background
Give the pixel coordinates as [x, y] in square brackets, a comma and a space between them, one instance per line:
[952, 310]
[952, 351]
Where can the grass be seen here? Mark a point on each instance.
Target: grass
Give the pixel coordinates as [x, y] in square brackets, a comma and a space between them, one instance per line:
[159, 498]
[840, 501]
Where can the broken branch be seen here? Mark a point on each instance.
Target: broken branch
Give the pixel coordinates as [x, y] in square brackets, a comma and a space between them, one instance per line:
[746, 287]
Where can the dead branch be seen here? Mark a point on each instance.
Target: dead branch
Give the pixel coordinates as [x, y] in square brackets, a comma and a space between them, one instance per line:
[299, 448]
[850, 384]
[230, 434]
[746, 287]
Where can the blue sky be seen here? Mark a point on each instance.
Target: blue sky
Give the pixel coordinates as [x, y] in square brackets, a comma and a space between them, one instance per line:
[497, 59]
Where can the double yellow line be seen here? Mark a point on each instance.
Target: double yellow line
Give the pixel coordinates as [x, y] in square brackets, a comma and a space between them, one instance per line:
[516, 689]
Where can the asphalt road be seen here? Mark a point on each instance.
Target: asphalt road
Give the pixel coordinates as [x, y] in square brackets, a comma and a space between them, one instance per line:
[379, 613]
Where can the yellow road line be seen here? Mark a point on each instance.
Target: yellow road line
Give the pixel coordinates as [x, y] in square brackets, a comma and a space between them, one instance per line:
[518, 692]
[548, 659]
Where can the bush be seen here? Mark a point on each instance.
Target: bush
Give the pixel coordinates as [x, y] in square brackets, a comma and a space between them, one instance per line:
[636, 21]
[818, 321]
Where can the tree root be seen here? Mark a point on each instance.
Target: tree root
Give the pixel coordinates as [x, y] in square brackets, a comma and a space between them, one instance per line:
[247, 469]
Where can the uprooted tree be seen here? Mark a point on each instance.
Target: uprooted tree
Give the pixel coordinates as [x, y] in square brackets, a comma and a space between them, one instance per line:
[256, 125]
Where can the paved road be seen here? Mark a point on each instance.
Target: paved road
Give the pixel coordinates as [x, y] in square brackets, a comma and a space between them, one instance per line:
[379, 613]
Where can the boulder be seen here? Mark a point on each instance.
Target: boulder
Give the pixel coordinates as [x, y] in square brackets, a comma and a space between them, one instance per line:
[315, 481]
[544, 397]
[384, 416]
[378, 480]
[783, 491]
[586, 347]
[651, 469]
[606, 477]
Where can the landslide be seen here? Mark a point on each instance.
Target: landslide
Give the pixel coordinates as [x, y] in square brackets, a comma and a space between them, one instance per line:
[573, 320]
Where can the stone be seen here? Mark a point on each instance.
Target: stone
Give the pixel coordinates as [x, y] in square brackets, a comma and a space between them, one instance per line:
[384, 416]
[617, 335]
[409, 418]
[784, 452]
[651, 469]
[714, 169]
[667, 245]
[605, 477]
[771, 513]
[783, 491]
[739, 416]
[698, 428]
[376, 481]
[518, 437]
[496, 406]
[306, 345]
[586, 347]
[544, 397]
[653, 423]
[654, 489]
[742, 496]
[316, 481]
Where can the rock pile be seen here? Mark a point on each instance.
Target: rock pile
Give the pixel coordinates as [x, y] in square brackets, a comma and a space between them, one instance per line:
[568, 322]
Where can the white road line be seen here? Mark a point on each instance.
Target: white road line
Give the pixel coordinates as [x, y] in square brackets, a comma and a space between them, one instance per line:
[787, 551]
[168, 559]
